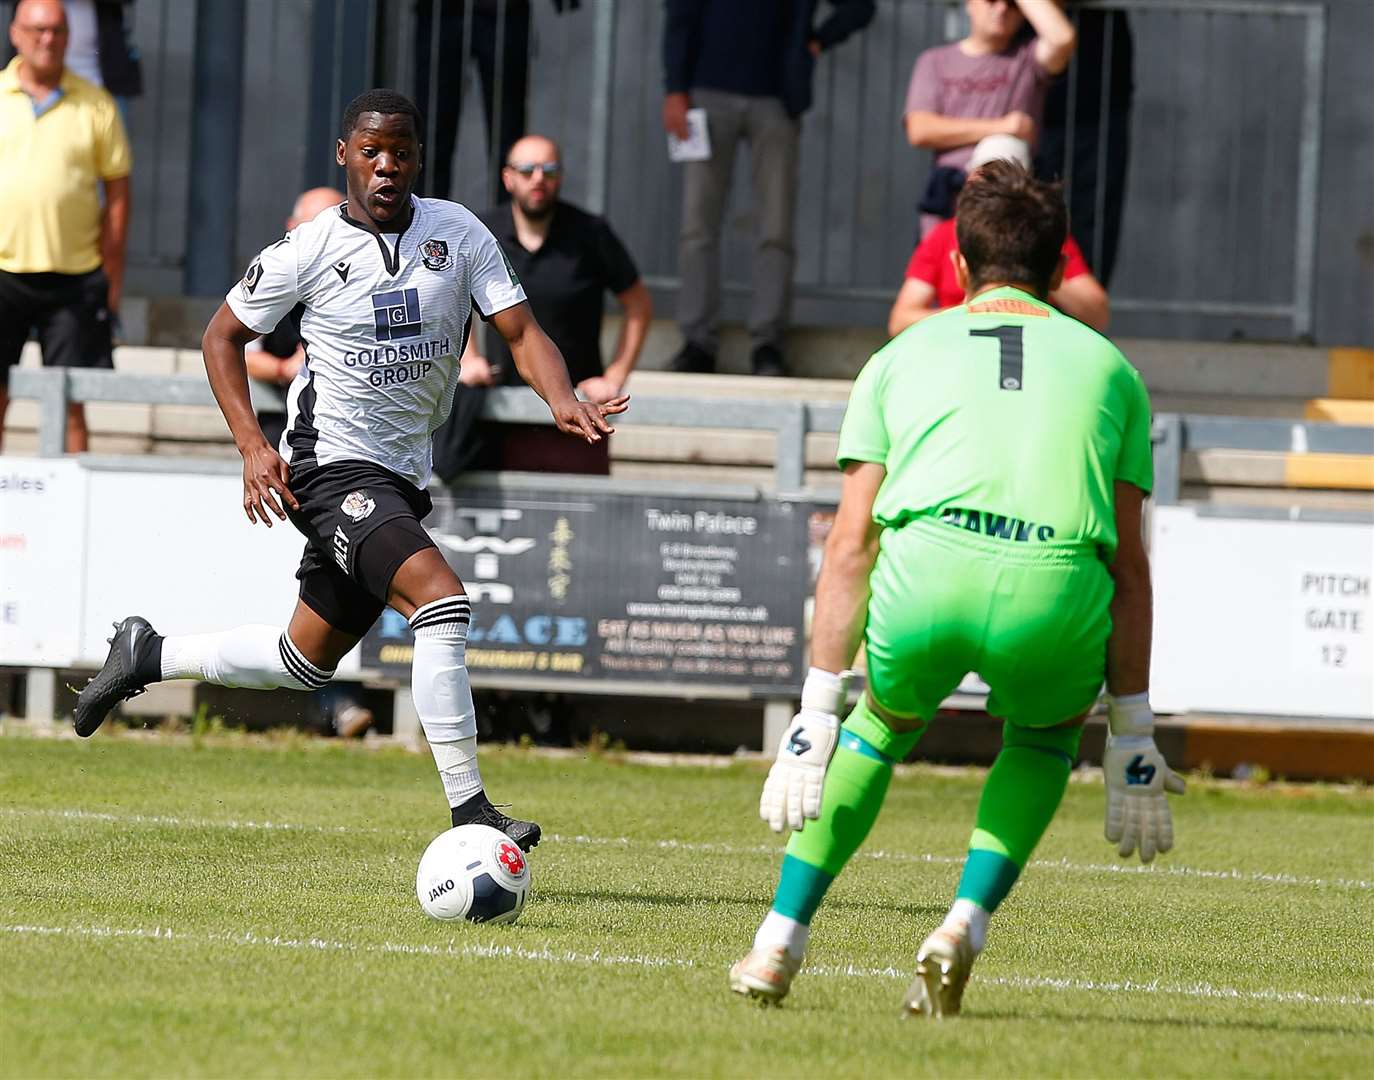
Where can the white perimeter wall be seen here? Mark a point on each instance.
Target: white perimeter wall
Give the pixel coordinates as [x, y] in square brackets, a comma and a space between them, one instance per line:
[1251, 616]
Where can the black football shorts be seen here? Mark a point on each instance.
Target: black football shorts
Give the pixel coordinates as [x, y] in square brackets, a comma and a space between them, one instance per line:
[360, 522]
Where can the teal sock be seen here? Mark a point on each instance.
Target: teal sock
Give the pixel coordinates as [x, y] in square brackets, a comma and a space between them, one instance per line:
[1023, 790]
[800, 889]
[855, 784]
[987, 878]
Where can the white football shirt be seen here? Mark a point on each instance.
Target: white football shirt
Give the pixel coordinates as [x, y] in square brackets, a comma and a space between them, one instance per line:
[386, 316]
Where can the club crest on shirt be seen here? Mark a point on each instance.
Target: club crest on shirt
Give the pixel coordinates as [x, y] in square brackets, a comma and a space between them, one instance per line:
[357, 505]
[434, 254]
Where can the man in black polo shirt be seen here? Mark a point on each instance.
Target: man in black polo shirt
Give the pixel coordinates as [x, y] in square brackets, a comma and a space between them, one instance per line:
[566, 259]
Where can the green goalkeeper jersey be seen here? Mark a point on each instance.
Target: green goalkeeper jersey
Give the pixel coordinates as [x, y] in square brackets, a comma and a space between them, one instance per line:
[1004, 418]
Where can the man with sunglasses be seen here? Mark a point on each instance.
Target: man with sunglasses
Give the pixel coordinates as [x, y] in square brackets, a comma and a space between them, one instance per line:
[566, 260]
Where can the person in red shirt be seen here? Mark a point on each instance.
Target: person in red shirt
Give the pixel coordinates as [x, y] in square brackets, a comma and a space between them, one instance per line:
[931, 284]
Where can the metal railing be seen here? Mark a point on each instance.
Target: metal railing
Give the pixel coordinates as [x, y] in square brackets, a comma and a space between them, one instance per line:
[791, 421]
[1174, 435]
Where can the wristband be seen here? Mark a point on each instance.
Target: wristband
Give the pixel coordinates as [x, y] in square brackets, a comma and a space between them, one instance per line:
[1130, 714]
[825, 691]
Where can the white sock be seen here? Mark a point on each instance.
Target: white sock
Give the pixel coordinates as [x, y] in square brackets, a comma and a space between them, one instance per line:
[782, 930]
[457, 764]
[967, 913]
[443, 695]
[255, 657]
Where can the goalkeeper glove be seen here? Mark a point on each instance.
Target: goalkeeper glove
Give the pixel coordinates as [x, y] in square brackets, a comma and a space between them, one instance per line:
[792, 792]
[1137, 777]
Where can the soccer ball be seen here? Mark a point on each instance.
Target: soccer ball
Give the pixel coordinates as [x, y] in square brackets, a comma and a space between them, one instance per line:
[473, 872]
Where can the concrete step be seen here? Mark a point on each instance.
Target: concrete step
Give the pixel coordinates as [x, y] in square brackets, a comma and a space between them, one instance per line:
[1175, 367]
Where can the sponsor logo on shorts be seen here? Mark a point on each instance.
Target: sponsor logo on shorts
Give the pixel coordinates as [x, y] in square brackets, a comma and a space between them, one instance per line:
[998, 526]
[341, 548]
[357, 505]
[397, 314]
[434, 254]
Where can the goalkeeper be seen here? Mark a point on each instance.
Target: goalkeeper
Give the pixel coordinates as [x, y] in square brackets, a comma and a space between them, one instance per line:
[996, 457]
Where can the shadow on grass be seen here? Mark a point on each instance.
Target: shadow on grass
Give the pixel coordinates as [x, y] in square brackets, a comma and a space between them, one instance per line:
[650, 899]
[1267, 1026]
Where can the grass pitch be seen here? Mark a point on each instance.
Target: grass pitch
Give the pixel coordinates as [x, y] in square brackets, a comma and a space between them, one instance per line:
[172, 907]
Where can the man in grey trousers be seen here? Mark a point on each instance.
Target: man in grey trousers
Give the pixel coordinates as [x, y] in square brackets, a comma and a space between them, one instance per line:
[749, 66]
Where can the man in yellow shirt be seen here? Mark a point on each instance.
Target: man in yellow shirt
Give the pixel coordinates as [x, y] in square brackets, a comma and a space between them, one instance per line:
[61, 251]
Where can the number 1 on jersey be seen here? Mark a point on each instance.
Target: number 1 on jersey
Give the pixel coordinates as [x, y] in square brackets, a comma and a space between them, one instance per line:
[1009, 351]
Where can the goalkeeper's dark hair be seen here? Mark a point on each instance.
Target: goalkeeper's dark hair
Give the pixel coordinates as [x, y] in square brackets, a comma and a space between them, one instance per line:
[1011, 226]
[386, 102]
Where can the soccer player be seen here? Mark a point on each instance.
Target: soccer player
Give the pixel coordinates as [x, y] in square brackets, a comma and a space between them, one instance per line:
[389, 282]
[995, 459]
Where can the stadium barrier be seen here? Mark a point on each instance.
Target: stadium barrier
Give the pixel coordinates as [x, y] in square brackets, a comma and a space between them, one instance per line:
[670, 588]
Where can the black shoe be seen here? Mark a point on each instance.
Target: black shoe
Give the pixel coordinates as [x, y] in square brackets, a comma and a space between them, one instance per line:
[693, 359]
[122, 677]
[478, 810]
[767, 360]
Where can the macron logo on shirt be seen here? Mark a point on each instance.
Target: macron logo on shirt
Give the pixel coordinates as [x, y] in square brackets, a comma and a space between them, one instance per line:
[397, 314]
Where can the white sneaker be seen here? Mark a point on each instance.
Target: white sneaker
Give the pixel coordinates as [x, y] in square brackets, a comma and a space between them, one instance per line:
[943, 964]
[765, 974]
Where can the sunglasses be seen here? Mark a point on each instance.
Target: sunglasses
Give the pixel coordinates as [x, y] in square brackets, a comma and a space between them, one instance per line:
[548, 168]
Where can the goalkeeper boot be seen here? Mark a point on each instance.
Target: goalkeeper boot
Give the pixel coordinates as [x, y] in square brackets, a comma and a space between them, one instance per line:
[120, 678]
[479, 810]
[943, 964]
[765, 974]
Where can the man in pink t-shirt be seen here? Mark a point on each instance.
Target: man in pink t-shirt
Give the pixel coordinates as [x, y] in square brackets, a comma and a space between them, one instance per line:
[986, 84]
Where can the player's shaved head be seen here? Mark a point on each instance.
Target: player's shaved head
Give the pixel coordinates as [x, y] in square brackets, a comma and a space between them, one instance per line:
[1011, 227]
[311, 204]
[380, 151]
[382, 101]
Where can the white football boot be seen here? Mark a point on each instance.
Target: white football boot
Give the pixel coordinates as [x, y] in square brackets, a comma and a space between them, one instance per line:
[943, 964]
[765, 974]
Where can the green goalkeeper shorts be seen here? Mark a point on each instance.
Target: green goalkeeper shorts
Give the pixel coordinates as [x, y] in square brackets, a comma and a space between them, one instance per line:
[1033, 623]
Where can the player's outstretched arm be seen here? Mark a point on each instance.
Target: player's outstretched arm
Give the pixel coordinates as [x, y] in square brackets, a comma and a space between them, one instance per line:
[1135, 772]
[542, 366]
[264, 472]
[792, 792]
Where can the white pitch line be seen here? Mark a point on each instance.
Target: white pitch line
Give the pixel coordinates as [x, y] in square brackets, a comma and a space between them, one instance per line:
[1259, 877]
[599, 958]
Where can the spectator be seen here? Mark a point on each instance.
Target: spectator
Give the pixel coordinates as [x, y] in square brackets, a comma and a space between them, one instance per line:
[497, 36]
[1105, 76]
[749, 66]
[932, 283]
[61, 254]
[274, 358]
[990, 83]
[99, 49]
[566, 259]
